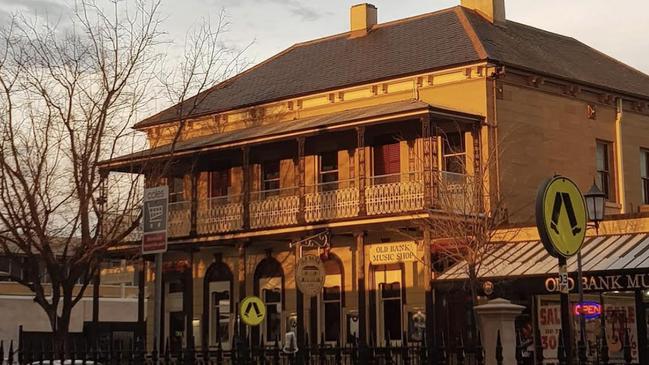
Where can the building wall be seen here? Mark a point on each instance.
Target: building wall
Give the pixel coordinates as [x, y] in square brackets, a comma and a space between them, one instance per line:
[543, 132]
[20, 310]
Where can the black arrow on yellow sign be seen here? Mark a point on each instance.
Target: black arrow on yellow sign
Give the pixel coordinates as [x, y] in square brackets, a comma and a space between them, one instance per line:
[251, 306]
[561, 199]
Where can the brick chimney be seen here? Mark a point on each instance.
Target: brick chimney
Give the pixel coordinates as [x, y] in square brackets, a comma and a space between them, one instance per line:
[492, 10]
[362, 18]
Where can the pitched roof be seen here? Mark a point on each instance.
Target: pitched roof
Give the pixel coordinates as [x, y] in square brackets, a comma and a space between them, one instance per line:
[437, 40]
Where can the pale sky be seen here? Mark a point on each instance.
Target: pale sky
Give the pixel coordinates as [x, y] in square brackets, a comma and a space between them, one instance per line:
[618, 28]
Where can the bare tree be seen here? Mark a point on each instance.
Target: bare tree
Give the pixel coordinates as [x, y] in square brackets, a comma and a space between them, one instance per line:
[472, 221]
[68, 96]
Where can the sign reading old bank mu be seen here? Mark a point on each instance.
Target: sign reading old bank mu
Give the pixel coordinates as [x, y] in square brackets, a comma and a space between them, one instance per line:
[619, 282]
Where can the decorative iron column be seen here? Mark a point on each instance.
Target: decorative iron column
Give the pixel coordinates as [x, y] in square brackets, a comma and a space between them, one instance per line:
[360, 153]
[301, 180]
[478, 170]
[428, 176]
[245, 162]
[194, 204]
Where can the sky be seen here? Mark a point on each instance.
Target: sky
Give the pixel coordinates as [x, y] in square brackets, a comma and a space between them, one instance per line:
[618, 28]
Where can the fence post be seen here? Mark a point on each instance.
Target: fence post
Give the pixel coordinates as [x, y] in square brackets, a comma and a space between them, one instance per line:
[405, 358]
[538, 347]
[10, 355]
[461, 355]
[627, 348]
[276, 351]
[443, 356]
[355, 348]
[423, 350]
[388, 352]
[561, 350]
[339, 355]
[499, 350]
[519, 348]
[479, 351]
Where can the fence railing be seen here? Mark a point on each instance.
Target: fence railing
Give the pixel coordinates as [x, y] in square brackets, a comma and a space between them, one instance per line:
[290, 353]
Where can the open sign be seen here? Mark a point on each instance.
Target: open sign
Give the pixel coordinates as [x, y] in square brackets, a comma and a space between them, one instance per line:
[589, 310]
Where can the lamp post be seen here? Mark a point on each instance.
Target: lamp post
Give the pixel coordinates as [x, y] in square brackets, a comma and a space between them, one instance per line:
[595, 200]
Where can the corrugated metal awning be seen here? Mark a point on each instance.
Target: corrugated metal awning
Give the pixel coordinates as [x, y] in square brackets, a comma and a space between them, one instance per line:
[291, 129]
[599, 253]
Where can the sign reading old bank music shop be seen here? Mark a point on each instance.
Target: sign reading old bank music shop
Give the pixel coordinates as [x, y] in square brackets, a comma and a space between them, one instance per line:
[392, 253]
[154, 226]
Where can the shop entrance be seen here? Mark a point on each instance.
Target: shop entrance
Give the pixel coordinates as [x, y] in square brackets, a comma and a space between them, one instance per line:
[388, 284]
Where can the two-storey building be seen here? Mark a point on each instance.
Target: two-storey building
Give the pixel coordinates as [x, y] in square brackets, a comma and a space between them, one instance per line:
[364, 135]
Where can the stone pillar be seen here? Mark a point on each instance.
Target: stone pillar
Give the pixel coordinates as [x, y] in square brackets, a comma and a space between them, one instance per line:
[498, 315]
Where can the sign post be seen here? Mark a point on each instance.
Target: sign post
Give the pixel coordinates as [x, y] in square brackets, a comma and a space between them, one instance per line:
[561, 222]
[154, 241]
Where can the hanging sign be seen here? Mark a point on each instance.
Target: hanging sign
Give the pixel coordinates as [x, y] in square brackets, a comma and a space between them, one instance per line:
[391, 253]
[310, 275]
[252, 311]
[154, 227]
[561, 216]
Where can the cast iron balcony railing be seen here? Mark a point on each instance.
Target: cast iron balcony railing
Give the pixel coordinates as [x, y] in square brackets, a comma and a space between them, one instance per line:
[331, 200]
[271, 208]
[395, 193]
[220, 214]
[179, 219]
[387, 194]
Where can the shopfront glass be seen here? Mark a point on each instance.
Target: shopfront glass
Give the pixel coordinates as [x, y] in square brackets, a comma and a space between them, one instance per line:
[616, 311]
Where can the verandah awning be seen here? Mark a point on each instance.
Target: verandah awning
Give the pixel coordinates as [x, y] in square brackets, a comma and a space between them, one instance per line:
[291, 129]
[599, 253]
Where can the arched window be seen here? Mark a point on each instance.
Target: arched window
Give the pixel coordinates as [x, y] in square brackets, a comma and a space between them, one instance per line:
[218, 305]
[269, 286]
[332, 300]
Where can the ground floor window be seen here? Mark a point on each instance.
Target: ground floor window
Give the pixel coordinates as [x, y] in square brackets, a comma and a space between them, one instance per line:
[220, 297]
[271, 294]
[388, 280]
[331, 303]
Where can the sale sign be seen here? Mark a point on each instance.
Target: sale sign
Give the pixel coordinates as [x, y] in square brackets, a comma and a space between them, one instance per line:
[154, 205]
[549, 315]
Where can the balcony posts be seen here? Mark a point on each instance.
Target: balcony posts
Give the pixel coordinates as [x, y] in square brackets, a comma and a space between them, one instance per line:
[360, 156]
[246, 186]
[428, 184]
[394, 193]
[301, 178]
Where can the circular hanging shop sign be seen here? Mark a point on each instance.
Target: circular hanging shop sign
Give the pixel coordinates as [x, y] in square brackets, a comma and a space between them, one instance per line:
[310, 275]
[561, 216]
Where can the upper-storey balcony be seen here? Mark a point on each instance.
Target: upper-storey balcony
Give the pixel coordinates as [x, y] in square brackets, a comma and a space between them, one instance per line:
[411, 160]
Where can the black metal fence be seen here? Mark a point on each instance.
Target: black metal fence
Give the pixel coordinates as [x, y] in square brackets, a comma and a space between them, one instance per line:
[242, 353]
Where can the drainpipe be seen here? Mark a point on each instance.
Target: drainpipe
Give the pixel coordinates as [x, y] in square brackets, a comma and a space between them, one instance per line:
[619, 155]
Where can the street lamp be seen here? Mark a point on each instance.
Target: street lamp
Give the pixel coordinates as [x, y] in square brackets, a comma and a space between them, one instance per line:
[595, 202]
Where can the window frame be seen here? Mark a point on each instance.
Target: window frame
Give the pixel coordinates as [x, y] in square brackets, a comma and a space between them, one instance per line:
[223, 175]
[448, 153]
[644, 175]
[265, 167]
[323, 173]
[174, 195]
[607, 171]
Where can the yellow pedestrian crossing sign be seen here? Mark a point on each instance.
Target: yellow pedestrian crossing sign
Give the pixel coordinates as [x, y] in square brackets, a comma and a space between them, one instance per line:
[252, 311]
[561, 216]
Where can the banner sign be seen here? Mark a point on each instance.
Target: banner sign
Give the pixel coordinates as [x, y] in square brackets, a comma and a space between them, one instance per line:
[391, 253]
[154, 227]
[310, 275]
[601, 283]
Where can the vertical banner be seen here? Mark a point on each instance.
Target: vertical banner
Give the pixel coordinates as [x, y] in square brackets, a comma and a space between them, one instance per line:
[154, 239]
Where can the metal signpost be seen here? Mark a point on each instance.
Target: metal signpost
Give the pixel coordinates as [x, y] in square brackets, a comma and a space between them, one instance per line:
[561, 220]
[154, 241]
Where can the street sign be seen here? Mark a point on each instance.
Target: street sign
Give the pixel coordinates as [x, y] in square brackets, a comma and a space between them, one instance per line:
[561, 216]
[252, 310]
[154, 227]
[310, 275]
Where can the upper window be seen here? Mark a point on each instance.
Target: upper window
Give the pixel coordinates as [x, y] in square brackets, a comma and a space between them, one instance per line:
[271, 175]
[604, 163]
[219, 183]
[387, 159]
[644, 171]
[329, 169]
[176, 189]
[454, 150]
